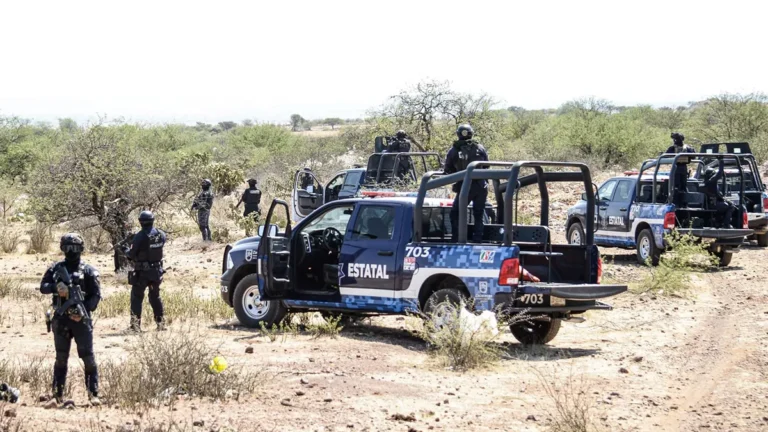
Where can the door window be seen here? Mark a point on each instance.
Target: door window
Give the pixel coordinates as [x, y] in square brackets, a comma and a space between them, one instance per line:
[337, 217]
[374, 223]
[623, 191]
[334, 187]
[606, 190]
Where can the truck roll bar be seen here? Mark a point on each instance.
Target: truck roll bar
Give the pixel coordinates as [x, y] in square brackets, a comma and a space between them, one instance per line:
[398, 156]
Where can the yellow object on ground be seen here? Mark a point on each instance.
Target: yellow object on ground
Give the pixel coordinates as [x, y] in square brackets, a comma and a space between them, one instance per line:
[218, 364]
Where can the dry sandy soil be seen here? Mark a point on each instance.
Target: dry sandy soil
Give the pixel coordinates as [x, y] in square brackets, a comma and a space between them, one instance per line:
[654, 363]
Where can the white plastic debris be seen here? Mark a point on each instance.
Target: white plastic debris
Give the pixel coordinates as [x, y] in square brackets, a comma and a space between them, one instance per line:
[484, 324]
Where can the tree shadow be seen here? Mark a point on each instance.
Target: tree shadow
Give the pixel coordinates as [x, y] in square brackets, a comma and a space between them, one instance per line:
[515, 351]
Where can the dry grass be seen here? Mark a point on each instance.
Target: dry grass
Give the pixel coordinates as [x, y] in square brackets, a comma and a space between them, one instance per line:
[12, 288]
[573, 408]
[178, 305]
[9, 239]
[161, 366]
[40, 238]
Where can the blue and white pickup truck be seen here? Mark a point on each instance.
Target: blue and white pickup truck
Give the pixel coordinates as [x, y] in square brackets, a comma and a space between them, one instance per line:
[397, 255]
[636, 211]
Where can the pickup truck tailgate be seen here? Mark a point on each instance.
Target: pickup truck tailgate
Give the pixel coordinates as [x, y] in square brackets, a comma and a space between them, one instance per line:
[716, 233]
[574, 291]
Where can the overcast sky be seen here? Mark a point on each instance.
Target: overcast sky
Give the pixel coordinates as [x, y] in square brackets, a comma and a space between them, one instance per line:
[187, 61]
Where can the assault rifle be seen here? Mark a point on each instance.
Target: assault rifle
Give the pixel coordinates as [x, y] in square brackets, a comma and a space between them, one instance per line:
[75, 301]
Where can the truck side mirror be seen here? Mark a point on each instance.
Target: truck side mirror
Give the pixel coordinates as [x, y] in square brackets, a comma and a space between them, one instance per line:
[272, 230]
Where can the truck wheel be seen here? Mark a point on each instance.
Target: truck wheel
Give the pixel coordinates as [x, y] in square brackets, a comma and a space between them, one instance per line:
[535, 332]
[724, 258]
[762, 239]
[576, 234]
[646, 248]
[250, 310]
[439, 303]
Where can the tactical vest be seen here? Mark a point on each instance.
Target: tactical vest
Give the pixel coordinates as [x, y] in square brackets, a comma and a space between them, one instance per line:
[76, 276]
[685, 148]
[468, 152]
[151, 248]
[252, 197]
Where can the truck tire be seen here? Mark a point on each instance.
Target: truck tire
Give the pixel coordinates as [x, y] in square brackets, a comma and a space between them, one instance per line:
[434, 308]
[250, 310]
[646, 248]
[762, 239]
[535, 332]
[724, 258]
[576, 234]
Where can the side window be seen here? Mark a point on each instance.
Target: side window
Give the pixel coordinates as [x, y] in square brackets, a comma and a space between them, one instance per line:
[374, 222]
[337, 181]
[337, 217]
[623, 191]
[606, 190]
[353, 178]
[306, 181]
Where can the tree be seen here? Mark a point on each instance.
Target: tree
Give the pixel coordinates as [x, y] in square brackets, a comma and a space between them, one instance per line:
[67, 125]
[102, 174]
[227, 125]
[247, 122]
[333, 121]
[296, 122]
[728, 117]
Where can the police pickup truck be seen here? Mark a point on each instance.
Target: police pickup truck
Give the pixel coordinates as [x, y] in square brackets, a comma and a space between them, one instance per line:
[397, 255]
[755, 195]
[636, 211]
[384, 170]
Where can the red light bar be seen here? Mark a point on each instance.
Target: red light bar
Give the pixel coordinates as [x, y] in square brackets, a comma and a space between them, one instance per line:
[629, 173]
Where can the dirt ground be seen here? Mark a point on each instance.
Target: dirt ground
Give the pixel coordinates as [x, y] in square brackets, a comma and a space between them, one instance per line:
[654, 363]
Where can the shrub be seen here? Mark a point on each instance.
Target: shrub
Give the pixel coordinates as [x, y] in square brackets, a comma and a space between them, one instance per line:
[40, 238]
[9, 239]
[572, 405]
[330, 327]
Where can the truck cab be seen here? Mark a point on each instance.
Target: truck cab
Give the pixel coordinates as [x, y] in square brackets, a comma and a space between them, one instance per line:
[397, 255]
[637, 210]
[382, 172]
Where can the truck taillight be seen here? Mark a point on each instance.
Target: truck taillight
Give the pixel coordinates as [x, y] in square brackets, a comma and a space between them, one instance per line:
[510, 272]
[669, 220]
[599, 269]
[744, 219]
[765, 203]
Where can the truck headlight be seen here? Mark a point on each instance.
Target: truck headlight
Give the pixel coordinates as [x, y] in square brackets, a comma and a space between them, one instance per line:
[230, 264]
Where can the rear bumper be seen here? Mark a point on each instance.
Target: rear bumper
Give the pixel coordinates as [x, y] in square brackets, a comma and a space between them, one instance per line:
[758, 222]
[573, 291]
[557, 299]
[717, 233]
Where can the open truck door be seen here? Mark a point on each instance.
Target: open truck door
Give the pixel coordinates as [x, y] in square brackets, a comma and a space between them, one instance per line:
[274, 256]
[307, 194]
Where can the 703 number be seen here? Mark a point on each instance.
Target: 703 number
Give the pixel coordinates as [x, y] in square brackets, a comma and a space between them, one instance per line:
[532, 298]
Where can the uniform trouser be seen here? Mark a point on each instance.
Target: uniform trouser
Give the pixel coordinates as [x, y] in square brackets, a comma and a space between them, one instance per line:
[202, 222]
[478, 197]
[725, 210]
[137, 298]
[681, 185]
[64, 330]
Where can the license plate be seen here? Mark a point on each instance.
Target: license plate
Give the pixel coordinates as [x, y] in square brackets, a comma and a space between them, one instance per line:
[540, 300]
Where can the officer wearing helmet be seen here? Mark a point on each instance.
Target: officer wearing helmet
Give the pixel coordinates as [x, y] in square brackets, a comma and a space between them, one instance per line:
[74, 322]
[252, 198]
[203, 203]
[401, 144]
[681, 170]
[464, 151]
[147, 256]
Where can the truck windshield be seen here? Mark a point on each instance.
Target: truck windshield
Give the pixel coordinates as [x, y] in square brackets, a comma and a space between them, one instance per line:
[337, 217]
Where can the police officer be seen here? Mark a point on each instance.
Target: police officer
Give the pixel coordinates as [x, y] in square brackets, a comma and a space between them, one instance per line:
[464, 151]
[75, 321]
[147, 256]
[203, 203]
[306, 178]
[252, 198]
[723, 207]
[401, 144]
[681, 171]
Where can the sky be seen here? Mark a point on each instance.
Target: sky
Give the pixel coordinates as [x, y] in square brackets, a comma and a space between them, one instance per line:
[186, 61]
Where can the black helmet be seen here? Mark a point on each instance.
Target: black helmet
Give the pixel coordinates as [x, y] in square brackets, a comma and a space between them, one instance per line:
[72, 242]
[401, 135]
[465, 132]
[146, 218]
[252, 181]
[205, 183]
[677, 138]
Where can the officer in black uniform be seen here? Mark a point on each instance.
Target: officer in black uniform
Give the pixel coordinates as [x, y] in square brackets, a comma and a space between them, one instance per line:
[252, 198]
[73, 320]
[464, 151]
[147, 256]
[717, 201]
[681, 171]
[401, 144]
[203, 203]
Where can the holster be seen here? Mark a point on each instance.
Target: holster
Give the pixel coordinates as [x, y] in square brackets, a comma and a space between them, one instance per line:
[131, 277]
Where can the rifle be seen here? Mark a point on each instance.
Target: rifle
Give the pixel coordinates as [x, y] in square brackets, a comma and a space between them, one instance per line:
[74, 304]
